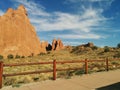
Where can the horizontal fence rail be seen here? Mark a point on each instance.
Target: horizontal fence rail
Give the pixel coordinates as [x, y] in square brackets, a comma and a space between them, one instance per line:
[26, 73]
[23, 64]
[54, 70]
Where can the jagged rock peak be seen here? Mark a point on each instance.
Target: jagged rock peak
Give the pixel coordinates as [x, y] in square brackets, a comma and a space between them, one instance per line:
[22, 8]
[9, 10]
[57, 44]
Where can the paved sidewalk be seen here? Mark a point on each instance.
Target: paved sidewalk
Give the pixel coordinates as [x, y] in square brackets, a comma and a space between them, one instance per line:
[96, 81]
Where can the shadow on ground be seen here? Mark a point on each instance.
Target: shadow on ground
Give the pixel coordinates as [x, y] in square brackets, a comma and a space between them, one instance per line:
[115, 86]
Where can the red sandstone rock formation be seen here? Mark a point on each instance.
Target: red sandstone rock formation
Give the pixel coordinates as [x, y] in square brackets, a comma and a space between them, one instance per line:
[54, 43]
[44, 45]
[57, 45]
[17, 35]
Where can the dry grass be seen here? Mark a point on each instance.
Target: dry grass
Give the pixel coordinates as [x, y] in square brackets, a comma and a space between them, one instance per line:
[59, 56]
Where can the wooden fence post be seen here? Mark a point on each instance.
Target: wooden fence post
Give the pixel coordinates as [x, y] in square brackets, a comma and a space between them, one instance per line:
[54, 70]
[86, 66]
[1, 73]
[107, 65]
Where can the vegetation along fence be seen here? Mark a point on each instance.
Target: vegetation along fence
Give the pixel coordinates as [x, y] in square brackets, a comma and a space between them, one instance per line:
[54, 70]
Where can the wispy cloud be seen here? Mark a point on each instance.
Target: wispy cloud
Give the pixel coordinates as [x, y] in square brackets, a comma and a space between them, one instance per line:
[32, 7]
[87, 0]
[84, 4]
[72, 22]
[74, 43]
[83, 22]
[1, 12]
[78, 36]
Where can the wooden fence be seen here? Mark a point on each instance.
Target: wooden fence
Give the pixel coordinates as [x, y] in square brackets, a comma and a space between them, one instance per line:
[54, 70]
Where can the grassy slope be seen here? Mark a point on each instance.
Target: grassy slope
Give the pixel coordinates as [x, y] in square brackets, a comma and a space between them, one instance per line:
[58, 55]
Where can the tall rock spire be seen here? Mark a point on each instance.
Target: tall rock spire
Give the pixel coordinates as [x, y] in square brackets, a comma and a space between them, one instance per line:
[17, 35]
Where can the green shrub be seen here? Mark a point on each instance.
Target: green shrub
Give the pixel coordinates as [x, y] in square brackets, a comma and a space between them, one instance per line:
[9, 81]
[94, 48]
[10, 56]
[118, 46]
[41, 54]
[1, 57]
[106, 49]
[48, 52]
[29, 56]
[22, 56]
[117, 55]
[115, 63]
[36, 78]
[16, 85]
[17, 56]
[80, 72]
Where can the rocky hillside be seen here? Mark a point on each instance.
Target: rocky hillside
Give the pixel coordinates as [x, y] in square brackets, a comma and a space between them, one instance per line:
[83, 48]
[89, 50]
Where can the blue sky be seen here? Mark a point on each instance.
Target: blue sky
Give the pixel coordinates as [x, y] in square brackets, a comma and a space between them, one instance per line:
[74, 21]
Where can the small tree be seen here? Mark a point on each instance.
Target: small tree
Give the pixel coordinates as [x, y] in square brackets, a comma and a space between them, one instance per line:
[118, 46]
[41, 54]
[17, 56]
[1, 57]
[22, 56]
[10, 56]
[106, 49]
[117, 55]
[94, 48]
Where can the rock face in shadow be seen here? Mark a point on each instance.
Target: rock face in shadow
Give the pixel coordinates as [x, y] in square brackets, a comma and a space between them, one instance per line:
[57, 45]
[89, 44]
[45, 46]
[49, 47]
[17, 35]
